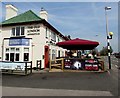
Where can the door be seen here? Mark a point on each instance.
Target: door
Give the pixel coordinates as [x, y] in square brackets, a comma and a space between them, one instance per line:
[46, 57]
[12, 57]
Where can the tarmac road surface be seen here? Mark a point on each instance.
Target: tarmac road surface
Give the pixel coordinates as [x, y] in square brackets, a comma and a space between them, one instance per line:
[58, 84]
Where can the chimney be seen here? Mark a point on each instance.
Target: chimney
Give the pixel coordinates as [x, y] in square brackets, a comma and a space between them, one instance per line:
[11, 11]
[43, 14]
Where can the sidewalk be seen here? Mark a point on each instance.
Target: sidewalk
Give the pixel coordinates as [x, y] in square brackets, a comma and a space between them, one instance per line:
[59, 70]
[40, 71]
[15, 91]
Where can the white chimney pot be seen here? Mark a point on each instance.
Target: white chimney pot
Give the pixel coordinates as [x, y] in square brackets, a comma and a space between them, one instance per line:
[44, 14]
[11, 11]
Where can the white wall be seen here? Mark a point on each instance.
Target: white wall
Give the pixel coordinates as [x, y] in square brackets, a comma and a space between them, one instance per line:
[38, 42]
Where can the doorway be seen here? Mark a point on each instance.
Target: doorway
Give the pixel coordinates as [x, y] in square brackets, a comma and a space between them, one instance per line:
[12, 57]
[46, 57]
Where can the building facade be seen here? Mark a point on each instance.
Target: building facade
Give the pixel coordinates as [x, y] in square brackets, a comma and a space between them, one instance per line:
[28, 37]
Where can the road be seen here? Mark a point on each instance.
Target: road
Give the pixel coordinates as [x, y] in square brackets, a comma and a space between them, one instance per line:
[62, 84]
[114, 61]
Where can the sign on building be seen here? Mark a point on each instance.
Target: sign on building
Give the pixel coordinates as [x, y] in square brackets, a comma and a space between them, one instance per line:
[19, 42]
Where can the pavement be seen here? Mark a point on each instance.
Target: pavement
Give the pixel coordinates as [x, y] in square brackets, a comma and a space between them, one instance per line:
[17, 91]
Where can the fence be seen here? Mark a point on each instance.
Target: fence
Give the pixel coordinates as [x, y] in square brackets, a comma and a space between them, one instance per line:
[69, 64]
[22, 68]
[57, 64]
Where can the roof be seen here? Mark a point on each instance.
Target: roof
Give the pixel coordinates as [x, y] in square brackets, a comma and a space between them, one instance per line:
[28, 16]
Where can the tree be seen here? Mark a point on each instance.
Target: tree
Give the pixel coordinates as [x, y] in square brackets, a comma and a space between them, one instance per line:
[104, 51]
[95, 51]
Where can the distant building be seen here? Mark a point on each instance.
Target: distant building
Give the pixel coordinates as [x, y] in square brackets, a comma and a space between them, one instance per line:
[28, 37]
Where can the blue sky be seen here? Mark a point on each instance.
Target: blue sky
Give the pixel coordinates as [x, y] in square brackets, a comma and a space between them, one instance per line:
[84, 20]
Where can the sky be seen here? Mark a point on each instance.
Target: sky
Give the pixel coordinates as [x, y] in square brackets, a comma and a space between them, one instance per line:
[84, 20]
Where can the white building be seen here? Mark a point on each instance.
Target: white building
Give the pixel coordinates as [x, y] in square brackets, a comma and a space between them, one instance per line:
[28, 37]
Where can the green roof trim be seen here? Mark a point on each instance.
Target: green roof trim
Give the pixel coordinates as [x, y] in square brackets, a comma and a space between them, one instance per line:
[28, 16]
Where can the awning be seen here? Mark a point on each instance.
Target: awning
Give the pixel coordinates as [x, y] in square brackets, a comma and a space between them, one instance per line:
[78, 44]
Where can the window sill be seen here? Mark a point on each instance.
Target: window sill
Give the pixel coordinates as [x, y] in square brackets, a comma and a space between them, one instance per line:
[17, 36]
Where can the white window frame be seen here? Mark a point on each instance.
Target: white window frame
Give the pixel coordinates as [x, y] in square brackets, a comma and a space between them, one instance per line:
[15, 31]
[15, 52]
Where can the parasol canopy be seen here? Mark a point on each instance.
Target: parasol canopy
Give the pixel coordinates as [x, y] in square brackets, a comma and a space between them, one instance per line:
[78, 44]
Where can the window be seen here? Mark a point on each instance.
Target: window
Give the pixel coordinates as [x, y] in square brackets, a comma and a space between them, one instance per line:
[58, 39]
[53, 36]
[7, 56]
[18, 31]
[17, 49]
[53, 54]
[26, 56]
[13, 31]
[58, 53]
[12, 54]
[7, 49]
[62, 53]
[26, 50]
[12, 49]
[22, 30]
[46, 33]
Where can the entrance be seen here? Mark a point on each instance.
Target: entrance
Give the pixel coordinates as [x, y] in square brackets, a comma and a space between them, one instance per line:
[12, 57]
[46, 57]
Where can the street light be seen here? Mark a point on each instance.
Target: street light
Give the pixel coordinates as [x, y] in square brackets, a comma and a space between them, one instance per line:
[109, 36]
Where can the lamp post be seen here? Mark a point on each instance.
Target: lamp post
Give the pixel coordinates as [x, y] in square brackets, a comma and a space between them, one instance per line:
[109, 36]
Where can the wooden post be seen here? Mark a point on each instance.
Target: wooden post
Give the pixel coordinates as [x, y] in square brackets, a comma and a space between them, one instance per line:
[31, 67]
[62, 63]
[50, 64]
[25, 68]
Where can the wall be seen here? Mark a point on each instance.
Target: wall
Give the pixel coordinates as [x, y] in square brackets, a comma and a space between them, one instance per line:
[38, 43]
